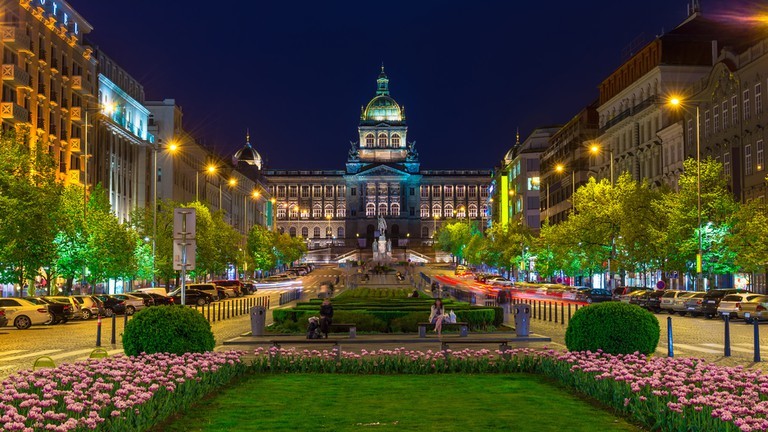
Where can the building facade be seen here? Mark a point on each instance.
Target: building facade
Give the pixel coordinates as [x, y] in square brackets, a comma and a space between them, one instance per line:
[382, 176]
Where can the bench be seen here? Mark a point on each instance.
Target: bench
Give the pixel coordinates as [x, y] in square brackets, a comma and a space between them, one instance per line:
[463, 328]
[352, 328]
[503, 343]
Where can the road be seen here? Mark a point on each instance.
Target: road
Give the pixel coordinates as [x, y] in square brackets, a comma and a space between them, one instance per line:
[76, 339]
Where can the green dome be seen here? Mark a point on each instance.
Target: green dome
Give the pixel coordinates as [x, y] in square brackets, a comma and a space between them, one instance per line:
[383, 108]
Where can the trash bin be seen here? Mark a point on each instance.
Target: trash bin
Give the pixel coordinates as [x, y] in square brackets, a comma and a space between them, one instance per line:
[522, 319]
[258, 320]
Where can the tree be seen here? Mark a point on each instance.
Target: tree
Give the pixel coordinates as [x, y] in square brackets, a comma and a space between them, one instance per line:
[261, 247]
[71, 244]
[289, 249]
[453, 237]
[506, 245]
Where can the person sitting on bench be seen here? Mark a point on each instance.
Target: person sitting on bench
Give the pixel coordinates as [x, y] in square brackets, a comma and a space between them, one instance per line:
[436, 316]
[326, 316]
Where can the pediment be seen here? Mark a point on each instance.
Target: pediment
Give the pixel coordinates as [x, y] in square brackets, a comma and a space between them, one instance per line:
[382, 170]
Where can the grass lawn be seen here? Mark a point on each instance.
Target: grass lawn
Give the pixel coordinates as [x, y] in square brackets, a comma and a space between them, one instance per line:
[315, 402]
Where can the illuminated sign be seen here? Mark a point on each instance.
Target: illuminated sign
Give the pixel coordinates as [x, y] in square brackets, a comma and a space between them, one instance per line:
[64, 16]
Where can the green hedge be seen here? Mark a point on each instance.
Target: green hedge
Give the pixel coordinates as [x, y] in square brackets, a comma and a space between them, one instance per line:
[615, 328]
[167, 329]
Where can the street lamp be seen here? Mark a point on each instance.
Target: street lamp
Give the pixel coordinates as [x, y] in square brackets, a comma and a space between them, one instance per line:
[434, 225]
[172, 147]
[560, 168]
[676, 102]
[595, 149]
[329, 233]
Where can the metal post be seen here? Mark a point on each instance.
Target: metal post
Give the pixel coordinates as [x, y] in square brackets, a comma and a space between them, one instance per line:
[700, 257]
[154, 218]
[670, 343]
[569, 312]
[757, 341]
[209, 312]
[219, 311]
[555, 313]
[562, 314]
[125, 320]
[114, 330]
[727, 352]
[98, 332]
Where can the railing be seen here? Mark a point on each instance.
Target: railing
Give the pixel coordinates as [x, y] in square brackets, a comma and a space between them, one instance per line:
[628, 112]
[232, 308]
[549, 310]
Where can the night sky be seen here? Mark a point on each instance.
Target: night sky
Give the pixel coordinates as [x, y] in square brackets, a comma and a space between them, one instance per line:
[296, 73]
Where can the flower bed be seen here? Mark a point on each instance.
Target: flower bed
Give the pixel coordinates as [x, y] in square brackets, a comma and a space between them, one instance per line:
[114, 394]
[670, 394]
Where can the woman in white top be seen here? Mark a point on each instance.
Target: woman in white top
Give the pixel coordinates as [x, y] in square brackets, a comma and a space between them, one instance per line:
[436, 316]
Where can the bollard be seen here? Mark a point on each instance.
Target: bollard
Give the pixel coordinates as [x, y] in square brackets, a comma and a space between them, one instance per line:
[209, 312]
[555, 313]
[727, 349]
[550, 311]
[562, 314]
[98, 332]
[229, 309]
[219, 311]
[114, 330]
[125, 319]
[670, 344]
[569, 312]
[757, 341]
[533, 308]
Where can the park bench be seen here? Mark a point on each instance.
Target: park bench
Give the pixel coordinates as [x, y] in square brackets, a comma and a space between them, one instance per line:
[350, 327]
[504, 344]
[463, 328]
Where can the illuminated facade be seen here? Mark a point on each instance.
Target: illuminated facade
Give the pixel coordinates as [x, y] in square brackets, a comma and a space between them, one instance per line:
[49, 78]
[383, 176]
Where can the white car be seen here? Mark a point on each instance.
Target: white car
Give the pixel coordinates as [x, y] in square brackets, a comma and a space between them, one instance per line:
[498, 280]
[24, 314]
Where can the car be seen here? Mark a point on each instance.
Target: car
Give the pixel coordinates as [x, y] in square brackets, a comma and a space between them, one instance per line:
[23, 313]
[193, 296]
[60, 312]
[668, 299]
[153, 290]
[90, 306]
[224, 292]
[278, 278]
[161, 299]
[651, 300]
[209, 288]
[498, 280]
[3, 318]
[618, 292]
[111, 305]
[678, 305]
[301, 271]
[694, 304]
[236, 285]
[249, 287]
[462, 270]
[148, 300]
[634, 297]
[592, 295]
[132, 303]
[730, 304]
[754, 310]
[712, 300]
[67, 300]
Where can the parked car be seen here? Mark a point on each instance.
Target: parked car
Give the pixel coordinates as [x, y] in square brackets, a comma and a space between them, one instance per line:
[301, 271]
[90, 306]
[754, 310]
[634, 297]
[694, 304]
[132, 303]
[67, 300]
[148, 300]
[23, 313]
[651, 300]
[60, 312]
[249, 287]
[678, 305]
[112, 305]
[498, 280]
[712, 300]
[236, 285]
[209, 288]
[619, 292]
[3, 318]
[731, 303]
[161, 300]
[193, 296]
[462, 270]
[224, 292]
[668, 299]
[592, 295]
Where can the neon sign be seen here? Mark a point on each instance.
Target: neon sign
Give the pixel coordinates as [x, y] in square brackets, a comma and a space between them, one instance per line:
[59, 15]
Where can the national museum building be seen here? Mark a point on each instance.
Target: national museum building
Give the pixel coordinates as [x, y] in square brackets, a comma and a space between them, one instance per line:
[383, 177]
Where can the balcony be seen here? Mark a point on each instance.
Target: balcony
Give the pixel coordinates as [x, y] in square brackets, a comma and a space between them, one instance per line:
[54, 98]
[80, 85]
[13, 111]
[43, 57]
[16, 76]
[74, 145]
[16, 39]
[75, 114]
[73, 176]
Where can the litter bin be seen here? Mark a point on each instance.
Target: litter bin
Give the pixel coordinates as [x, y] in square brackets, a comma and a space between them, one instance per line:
[522, 319]
[258, 320]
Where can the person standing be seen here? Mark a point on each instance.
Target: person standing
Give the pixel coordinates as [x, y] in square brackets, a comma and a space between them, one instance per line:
[436, 316]
[326, 316]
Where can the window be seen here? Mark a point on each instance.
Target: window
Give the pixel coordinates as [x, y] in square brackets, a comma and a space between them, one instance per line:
[435, 191]
[748, 159]
[472, 191]
[293, 191]
[292, 231]
[759, 154]
[727, 164]
[484, 211]
[281, 212]
[483, 191]
[745, 104]
[305, 232]
[340, 232]
[534, 183]
[424, 232]
[340, 191]
[383, 209]
[353, 191]
[424, 191]
[424, 211]
[370, 210]
[329, 191]
[317, 191]
[382, 140]
[304, 213]
[448, 211]
[472, 211]
[328, 211]
[395, 140]
[382, 188]
[758, 99]
[724, 107]
[461, 212]
[460, 192]
[304, 191]
[341, 212]
[716, 118]
[734, 109]
[436, 210]
[370, 189]
[448, 191]
[707, 123]
[395, 209]
[281, 191]
[369, 140]
[293, 212]
[317, 211]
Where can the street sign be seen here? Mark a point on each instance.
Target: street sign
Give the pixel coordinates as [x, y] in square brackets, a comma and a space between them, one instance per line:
[661, 285]
[178, 248]
[184, 223]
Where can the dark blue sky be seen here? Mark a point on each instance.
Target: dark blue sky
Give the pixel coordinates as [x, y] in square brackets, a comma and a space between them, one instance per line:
[296, 73]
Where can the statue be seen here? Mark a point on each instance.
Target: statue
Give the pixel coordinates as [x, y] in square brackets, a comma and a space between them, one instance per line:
[382, 225]
[354, 153]
[389, 246]
[375, 246]
[412, 155]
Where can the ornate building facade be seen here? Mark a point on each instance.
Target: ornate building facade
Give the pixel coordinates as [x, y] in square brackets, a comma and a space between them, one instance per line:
[383, 177]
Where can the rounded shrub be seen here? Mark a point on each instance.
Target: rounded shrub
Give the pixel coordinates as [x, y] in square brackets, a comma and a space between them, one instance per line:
[615, 328]
[167, 329]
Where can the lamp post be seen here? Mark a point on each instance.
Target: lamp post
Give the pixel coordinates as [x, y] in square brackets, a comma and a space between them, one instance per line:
[274, 215]
[676, 102]
[595, 149]
[434, 225]
[328, 233]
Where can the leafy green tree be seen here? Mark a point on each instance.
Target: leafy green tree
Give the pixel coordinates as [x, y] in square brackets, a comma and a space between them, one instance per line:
[71, 244]
[289, 249]
[261, 247]
[749, 236]
[453, 237]
[507, 244]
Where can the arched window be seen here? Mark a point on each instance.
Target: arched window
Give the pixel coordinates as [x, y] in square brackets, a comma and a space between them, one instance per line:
[395, 209]
[484, 211]
[304, 232]
[382, 140]
[448, 211]
[293, 212]
[281, 212]
[472, 211]
[383, 209]
[292, 231]
[424, 232]
[436, 210]
[369, 140]
[424, 211]
[317, 211]
[328, 210]
[316, 232]
[341, 212]
[340, 233]
[395, 140]
[461, 212]
[370, 210]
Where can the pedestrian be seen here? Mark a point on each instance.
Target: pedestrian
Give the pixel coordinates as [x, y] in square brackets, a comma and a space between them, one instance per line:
[326, 316]
[337, 279]
[436, 316]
